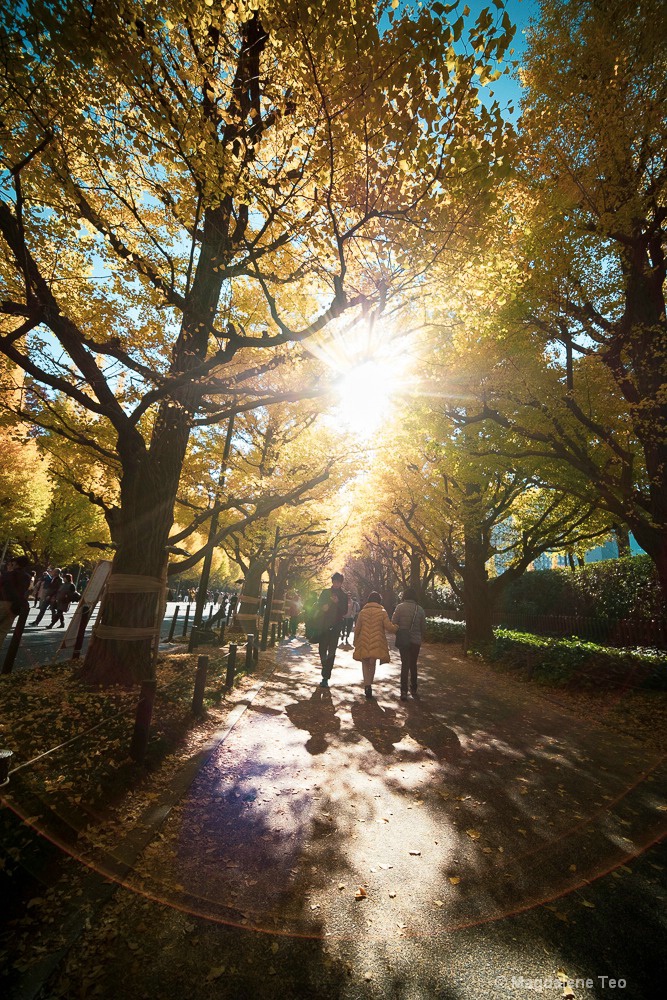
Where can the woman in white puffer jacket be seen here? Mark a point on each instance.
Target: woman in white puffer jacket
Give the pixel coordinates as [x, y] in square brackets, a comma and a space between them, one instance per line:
[370, 638]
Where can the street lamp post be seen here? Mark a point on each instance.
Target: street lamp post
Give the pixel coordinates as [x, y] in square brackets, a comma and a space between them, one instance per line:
[269, 591]
[212, 531]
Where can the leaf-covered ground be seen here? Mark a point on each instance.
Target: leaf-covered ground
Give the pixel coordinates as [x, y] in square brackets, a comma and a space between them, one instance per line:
[361, 839]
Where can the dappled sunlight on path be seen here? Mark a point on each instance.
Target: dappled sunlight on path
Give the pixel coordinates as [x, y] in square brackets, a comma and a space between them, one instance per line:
[477, 801]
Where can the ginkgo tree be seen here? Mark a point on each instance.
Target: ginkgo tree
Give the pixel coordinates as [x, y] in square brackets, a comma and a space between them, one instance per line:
[581, 264]
[188, 189]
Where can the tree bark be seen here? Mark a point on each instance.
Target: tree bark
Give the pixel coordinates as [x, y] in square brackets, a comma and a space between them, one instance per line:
[622, 536]
[140, 530]
[252, 586]
[478, 599]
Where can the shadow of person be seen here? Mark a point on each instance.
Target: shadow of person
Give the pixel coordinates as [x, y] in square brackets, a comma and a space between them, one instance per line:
[378, 725]
[316, 716]
[430, 731]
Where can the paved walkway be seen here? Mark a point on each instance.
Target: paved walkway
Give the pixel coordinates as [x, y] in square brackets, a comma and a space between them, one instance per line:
[469, 844]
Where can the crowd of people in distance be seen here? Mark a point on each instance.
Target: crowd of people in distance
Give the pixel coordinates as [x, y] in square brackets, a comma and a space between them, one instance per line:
[53, 590]
[331, 617]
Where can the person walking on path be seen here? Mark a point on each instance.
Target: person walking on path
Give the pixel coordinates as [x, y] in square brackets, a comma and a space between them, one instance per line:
[350, 618]
[293, 609]
[42, 588]
[370, 638]
[332, 607]
[48, 599]
[64, 596]
[14, 584]
[410, 619]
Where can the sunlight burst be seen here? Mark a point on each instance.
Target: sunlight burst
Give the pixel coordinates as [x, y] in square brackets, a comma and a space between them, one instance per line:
[372, 369]
[366, 395]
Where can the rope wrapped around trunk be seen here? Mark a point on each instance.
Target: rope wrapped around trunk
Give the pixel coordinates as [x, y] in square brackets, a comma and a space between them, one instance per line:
[126, 583]
[122, 632]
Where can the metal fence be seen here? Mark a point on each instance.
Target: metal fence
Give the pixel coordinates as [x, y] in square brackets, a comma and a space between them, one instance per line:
[631, 632]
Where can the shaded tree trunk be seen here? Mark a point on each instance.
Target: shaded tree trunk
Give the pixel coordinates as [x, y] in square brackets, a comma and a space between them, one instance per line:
[622, 536]
[140, 531]
[478, 599]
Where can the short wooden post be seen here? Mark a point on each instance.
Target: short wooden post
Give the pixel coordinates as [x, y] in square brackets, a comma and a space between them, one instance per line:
[231, 666]
[200, 685]
[221, 638]
[210, 613]
[185, 623]
[173, 623]
[142, 721]
[249, 652]
[194, 636]
[272, 641]
[81, 631]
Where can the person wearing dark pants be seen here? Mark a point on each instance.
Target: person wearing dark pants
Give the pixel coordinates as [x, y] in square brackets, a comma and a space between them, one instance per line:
[333, 609]
[411, 620]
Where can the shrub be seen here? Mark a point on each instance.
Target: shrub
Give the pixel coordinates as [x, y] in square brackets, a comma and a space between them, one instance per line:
[613, 589]
[579, 664]
[444, 630]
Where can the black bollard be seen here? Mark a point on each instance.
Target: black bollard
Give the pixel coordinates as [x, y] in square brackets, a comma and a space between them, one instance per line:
[142, 721]
[15, 642]
[221, 638]
[81, 631]
[173, 623]
[200, 685]
[185, 623]
[194, 637]
[210, 613]
[231, 666]
[249, 653]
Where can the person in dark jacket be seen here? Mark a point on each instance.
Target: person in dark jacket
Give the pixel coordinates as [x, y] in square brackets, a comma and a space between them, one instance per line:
[14, 584]
[65, 594]
[49, 599]
[409, 615]
[332, 607]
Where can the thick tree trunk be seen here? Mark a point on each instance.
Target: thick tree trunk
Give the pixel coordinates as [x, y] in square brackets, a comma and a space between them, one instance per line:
[140, 530]
[622, 536]
[247, 615]
[478, 599]
[654, 543]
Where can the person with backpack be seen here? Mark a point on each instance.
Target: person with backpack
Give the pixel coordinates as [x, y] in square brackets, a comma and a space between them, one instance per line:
[332, 608]
[64, 596]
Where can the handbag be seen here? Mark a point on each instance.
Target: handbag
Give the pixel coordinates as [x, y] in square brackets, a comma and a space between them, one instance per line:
[403, 639]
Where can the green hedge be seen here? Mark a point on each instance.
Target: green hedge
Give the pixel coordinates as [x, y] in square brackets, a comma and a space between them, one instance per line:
[444, 630]
[612, 589]
[578, 664]
[571, 662]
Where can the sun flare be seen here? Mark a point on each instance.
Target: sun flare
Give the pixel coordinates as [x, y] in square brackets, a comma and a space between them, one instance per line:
[367, 393]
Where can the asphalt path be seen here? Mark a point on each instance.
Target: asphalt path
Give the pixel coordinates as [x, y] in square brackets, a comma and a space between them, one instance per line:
[477, 842]
[40, 644]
